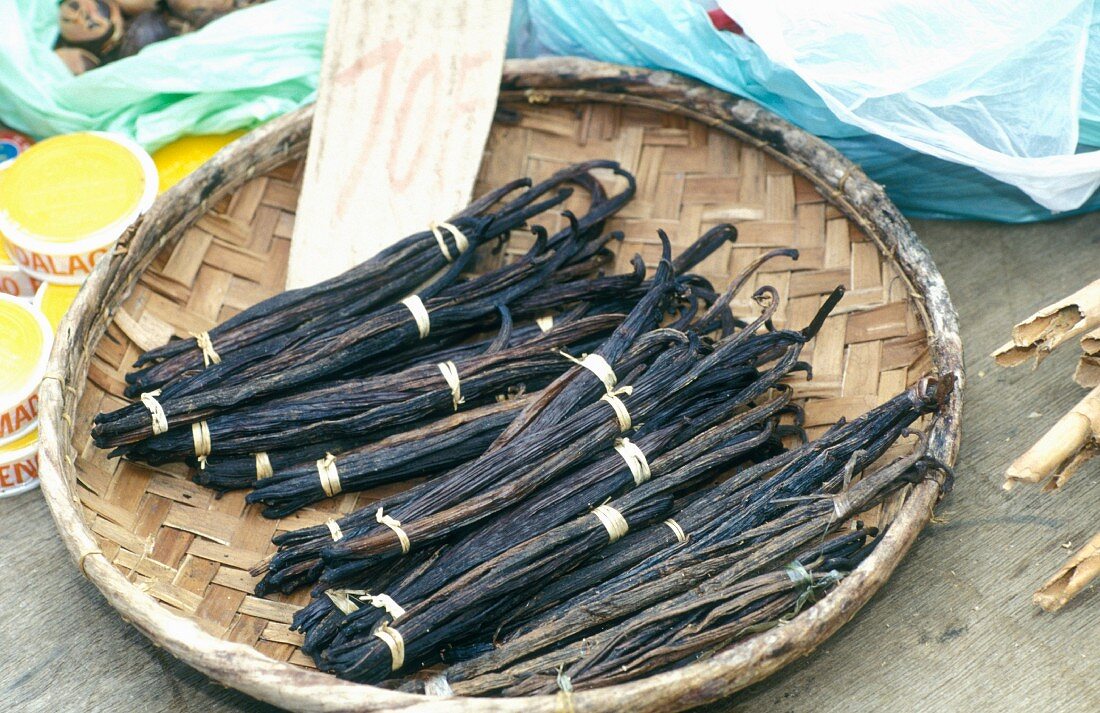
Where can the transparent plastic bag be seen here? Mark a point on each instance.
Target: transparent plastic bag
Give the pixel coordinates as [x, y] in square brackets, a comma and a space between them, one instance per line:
[250, 66]
[990, 84]
[927, 174]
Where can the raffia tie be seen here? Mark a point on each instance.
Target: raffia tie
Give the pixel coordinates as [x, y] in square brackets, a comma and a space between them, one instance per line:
[799, 574]
[419, 313]
[263, 466]
[200, 435]
[334, 530]
[330, 477]
[438, 686]
[598, 366]
[620, 411]
[394, 525]
[565, 691]
[681, 536]
[841, 506]
[450, 375]
[392, 638]
[209, 355]
[461, 242]
[545, 322]
[613, 521]
[342, 598]
[804, 582]
[156, 411]
[635, 460]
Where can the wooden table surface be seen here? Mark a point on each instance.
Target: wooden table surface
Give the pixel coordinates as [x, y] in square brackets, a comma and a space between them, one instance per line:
[953, 630]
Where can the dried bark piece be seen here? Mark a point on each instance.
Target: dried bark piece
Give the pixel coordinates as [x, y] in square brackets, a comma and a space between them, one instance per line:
[1075, 575]
[1039, 334]
[1090, 343]
[1087, 373]
[1062, 449]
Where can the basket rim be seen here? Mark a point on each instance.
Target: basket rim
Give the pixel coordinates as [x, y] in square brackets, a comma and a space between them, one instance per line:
[566, 80]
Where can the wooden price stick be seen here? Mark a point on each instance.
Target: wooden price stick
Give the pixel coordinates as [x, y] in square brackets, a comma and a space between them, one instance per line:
[1055, 324]
[1074, 576]
[406, 99]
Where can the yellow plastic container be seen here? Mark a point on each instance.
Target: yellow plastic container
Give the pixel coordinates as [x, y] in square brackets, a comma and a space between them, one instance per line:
[19, 465]
[177, 160]
[25, 341]
[54, 300]
[66, 200]
[14, 281]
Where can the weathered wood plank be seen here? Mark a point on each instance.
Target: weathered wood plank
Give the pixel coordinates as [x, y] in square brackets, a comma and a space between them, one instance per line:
[403, 111]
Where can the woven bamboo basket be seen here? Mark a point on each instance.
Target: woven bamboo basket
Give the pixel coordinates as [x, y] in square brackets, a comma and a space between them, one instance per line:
[173, 559]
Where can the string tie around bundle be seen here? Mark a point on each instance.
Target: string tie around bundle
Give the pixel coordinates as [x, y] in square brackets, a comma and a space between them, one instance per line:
[681, 536]
[841, 506]
[450, 375]
[419, 313]
[545, 322]
[620, 411]
[635, 460]
[385, 601]
[565, 691]
[461, 241]
[263, 466]
[395, 525]
[156, 411]
[329, 476]
[598, 366]
[803, 580]
[613, 521]
[334, 530]
[799, 574]
[342, 598]
[200, 436]
[209, 355]
[392, 638]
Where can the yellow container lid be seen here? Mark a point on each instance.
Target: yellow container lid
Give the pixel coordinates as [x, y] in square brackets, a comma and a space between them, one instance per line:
[75, 189]
[25, 341]
[5, 259]
[177, 160]
[54, 300]
[8, 450]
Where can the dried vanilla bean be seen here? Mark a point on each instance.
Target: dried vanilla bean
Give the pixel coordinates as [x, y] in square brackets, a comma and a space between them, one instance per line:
[589, 487]
[296, 564]
[739, 504]
[396, 270]
[728, 547]
[774, 543]
[290, 361]
[361, 658]
[421, 453]
[340, 409]
[712, 617]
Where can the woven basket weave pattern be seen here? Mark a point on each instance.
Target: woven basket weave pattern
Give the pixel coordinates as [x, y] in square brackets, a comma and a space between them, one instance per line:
[191, 550]
[173, 559]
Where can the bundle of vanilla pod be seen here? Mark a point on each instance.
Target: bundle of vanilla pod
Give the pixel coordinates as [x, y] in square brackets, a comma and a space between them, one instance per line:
[608, 459]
